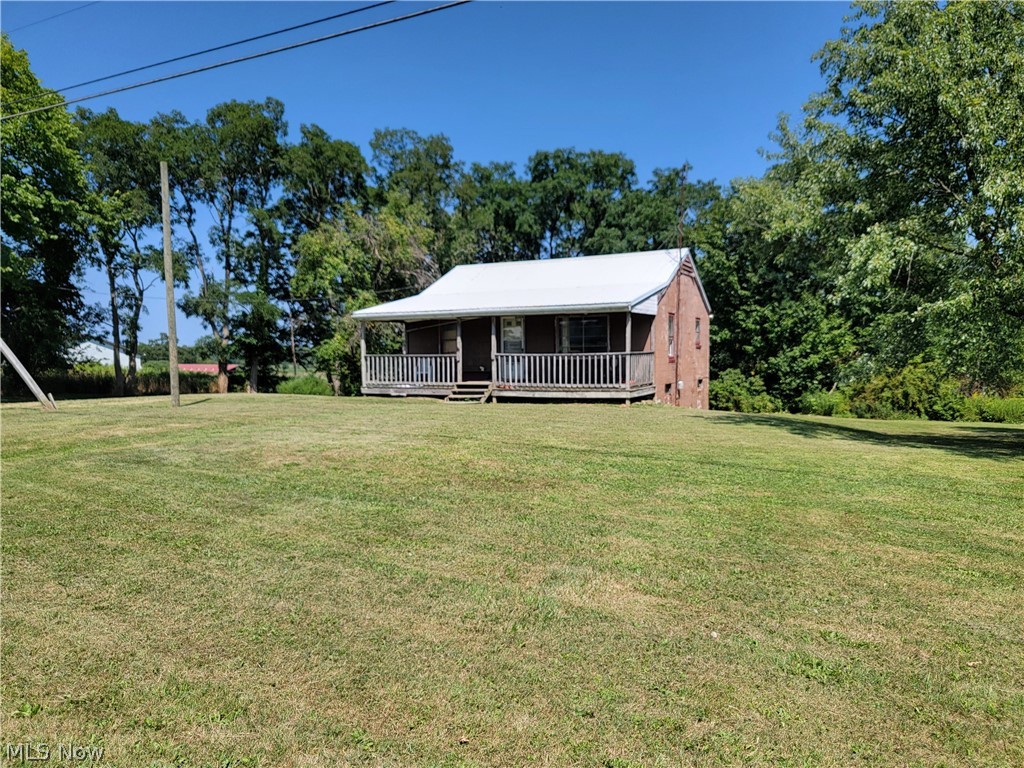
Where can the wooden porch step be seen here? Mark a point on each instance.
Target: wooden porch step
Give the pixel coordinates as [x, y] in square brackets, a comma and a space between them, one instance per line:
[467, 392]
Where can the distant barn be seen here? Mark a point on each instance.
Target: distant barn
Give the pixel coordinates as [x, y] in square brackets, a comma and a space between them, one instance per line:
[619, 327]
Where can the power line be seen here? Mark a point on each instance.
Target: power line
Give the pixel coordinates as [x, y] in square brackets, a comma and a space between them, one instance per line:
[214, 49]
[48, 18]
[240, 59]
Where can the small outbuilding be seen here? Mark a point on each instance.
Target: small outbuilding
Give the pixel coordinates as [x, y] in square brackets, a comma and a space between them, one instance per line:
[102, 353]
[614, 327]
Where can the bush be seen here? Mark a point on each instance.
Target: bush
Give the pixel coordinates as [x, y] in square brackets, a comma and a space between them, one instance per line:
[946, 402]
[821, 403]
[917, 391]
[1008, 410]
[305, 385]
[92, 382]
[732, 391]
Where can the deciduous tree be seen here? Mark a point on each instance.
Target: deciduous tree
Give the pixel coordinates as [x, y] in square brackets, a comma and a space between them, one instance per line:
[44, 222]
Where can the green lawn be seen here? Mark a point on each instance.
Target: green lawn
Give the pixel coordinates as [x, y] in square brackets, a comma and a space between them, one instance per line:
[290, 581]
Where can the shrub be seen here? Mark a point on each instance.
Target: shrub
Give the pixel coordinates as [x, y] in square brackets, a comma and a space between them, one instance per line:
[100, 383]
[732, 391]
[947, 402]
[1008, 410]
[305, 385]
[919, 390]
[821, 403]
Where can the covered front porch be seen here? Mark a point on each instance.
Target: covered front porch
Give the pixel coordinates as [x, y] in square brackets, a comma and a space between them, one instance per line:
[591, 356]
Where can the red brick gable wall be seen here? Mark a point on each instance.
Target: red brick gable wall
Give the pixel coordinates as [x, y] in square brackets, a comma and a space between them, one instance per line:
[684, 379]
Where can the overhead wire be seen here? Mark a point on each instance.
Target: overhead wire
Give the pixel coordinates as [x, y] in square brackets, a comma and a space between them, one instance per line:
[213, 49]
[240, 59]
[50, 18]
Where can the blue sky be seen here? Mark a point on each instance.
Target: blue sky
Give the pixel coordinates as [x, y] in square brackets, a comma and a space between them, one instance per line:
[663, 82]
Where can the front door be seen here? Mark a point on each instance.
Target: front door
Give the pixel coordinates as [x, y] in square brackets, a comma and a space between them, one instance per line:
[513, 342]
[513, 335]
[476, 349]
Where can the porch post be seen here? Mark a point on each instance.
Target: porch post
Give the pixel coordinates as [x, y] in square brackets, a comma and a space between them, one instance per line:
[629, 348]
[458, 348]
[405, 338]
[494, 350]
[362, 350]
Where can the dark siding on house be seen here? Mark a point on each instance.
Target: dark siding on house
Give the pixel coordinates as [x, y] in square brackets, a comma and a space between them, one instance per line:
[424, 337]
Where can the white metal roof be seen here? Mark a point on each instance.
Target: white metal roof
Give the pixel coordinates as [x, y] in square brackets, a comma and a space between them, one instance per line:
[93, 352]
[609, 283]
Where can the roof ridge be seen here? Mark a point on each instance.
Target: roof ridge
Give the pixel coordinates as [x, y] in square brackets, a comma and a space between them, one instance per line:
[570, 259]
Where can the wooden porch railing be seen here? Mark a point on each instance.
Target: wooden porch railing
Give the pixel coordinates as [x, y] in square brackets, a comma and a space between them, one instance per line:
[580, 370]
[410, 370]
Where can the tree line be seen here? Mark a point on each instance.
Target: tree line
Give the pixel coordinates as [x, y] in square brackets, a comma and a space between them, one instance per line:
[883, 242]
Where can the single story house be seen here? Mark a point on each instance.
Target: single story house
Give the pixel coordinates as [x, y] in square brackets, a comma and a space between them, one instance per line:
[97, 352]
[614, 327]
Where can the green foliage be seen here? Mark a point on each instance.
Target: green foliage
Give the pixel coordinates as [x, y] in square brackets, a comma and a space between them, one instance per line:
[44, 220]
[321, 175]
[344, 266]
[947, 402]
[231, 165]
[571, 194]
[494, 214]
[124, 204]
[95, 380]
[422, 172]
[204, 350]
[1009, 410]
[888, 229]
[821, 403]
[919, 173]
[733, 391]
[919, 390]
[305, 385]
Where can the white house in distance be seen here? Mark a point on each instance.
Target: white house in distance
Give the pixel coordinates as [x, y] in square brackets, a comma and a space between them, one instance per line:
[93, 352]
[621, 326]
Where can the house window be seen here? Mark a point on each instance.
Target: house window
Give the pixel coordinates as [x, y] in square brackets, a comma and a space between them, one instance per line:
[513, 335]
[583, 333]
[449, 339]
[696, 333]
[671, 336]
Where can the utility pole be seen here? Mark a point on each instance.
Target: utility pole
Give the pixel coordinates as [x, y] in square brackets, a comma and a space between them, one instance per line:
[27, 377]
[172, 333]
[295, 359]
[682, 207]
[679, 299]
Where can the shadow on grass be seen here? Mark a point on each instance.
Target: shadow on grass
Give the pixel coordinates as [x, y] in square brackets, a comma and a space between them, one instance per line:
[972, 440]
[197, 402]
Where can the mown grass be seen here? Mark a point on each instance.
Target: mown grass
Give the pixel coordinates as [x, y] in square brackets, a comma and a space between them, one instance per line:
[291, 581]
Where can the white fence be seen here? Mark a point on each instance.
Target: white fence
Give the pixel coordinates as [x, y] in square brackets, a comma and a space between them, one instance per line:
[579, 370]
[411, 370]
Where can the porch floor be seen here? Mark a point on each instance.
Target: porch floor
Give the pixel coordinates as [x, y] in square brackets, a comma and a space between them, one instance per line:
[517, 392]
